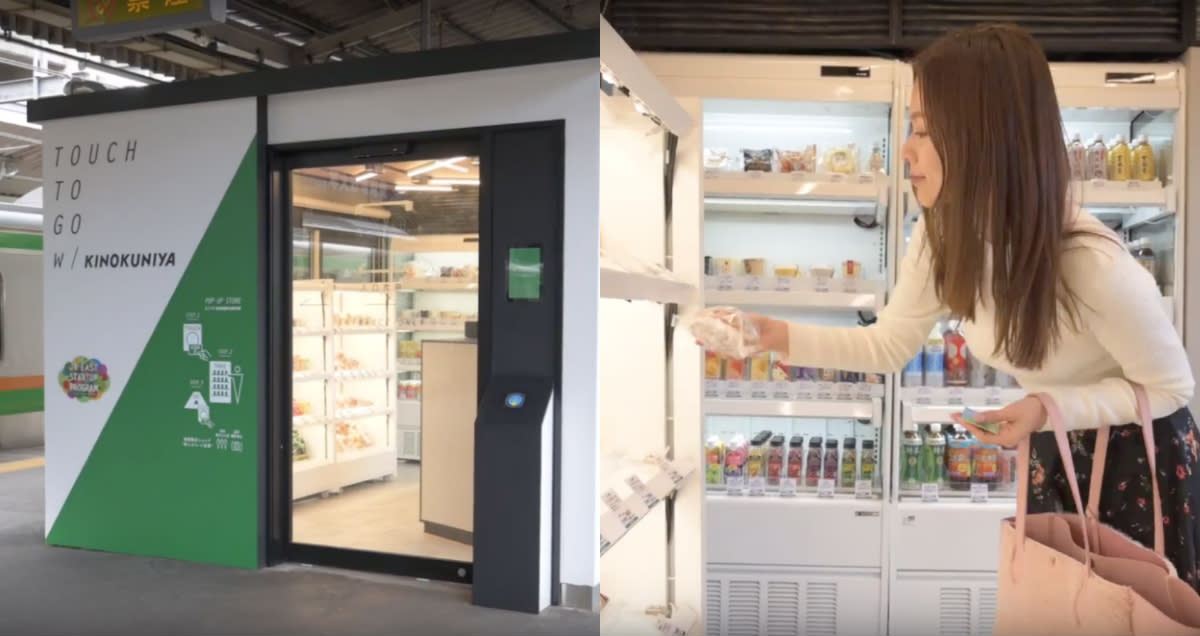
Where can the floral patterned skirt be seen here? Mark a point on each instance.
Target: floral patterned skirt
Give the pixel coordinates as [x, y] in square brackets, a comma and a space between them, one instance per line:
[1125, 496]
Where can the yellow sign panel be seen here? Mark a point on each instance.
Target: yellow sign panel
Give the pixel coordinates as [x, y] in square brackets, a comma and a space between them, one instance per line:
[94, 13]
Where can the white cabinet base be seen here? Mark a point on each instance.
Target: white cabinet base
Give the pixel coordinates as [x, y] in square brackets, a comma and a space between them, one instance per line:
[408, 443]
[950, 603]
[313, 478]
[756, 600]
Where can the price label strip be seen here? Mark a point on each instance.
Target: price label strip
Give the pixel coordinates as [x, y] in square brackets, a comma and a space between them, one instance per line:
[929, 493]
[863, 489]
[758, 486]
[826, 488]
[735, 485]
[611, 530]
[643, 493]
[979, 493]
[787, 487]
[624, 515]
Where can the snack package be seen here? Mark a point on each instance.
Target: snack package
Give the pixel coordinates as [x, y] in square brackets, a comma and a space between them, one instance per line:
[758, 160]
[968, 416]
[724, 330]
[798, 160]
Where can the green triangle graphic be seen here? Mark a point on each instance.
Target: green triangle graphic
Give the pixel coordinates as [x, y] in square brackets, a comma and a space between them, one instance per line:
[146, 488]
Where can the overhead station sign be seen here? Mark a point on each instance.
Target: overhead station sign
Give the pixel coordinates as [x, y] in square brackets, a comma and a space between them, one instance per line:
[99, 20]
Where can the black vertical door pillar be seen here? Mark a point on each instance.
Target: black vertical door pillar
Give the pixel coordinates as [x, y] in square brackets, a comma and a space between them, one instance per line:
[520, 339]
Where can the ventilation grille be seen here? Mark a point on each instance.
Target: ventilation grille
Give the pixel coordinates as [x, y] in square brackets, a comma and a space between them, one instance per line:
[821, 609]
[410, 444]
[712, 606]
[1063, 25]
[954, 611]
[987, 610]
[745, 609]
[783, 608]
[751, 25]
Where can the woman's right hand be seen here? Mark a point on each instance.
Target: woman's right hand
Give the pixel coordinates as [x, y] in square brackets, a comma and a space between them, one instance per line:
[772, 333]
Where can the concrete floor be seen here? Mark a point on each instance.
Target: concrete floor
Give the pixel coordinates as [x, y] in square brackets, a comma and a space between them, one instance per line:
[47, 590]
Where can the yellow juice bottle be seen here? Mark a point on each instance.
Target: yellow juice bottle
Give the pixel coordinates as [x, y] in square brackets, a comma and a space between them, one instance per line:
[1143, 159]
[1119, 160]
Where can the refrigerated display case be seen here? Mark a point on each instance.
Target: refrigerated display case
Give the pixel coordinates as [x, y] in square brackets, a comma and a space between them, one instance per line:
[948, 486]
[796, 189]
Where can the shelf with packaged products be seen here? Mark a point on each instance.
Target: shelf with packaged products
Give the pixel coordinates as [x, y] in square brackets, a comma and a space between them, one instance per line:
[959, 396]
[408, 365]
[444, 283]
[797, 191]
[808, 292]
[405, 325]
[864, 409]
[1129, 203]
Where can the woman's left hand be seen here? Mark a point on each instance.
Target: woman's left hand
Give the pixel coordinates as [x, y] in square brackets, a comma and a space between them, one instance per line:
[1016, 422]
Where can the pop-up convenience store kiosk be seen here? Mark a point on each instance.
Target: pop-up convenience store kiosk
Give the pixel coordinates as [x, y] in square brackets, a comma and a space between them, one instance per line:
[218, 249]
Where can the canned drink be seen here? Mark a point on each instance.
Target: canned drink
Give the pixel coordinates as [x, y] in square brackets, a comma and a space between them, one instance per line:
[852, 269]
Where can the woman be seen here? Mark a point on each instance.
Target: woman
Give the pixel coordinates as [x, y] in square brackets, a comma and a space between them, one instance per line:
[1044, 291]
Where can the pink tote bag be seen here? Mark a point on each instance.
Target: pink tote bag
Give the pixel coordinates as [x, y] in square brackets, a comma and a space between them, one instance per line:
[1068, 573]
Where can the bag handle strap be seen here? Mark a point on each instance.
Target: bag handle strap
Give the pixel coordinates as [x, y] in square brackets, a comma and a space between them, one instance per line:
[1101, 454]
[1064, 451]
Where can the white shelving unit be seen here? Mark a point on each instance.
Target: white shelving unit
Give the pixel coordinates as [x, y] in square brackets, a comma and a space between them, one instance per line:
[343, 386]
[814, 559]
[649, 511]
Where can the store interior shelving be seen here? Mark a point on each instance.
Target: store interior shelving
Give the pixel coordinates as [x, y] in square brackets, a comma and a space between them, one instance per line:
[648, 489]
[343, 402]
[778, 229]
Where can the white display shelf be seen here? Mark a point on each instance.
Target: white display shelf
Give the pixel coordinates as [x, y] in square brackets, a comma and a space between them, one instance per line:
[431, 324]
[437, 284]
[791, 391]
[404, 365]
[310, 376]
[369, 330]
[959, 396]
[340, 414]
[1099, 193]
[619, 284]
[344, 375]
[299, 332]
[800, 188]
[858, 409]
[377, 462]
[804, 292]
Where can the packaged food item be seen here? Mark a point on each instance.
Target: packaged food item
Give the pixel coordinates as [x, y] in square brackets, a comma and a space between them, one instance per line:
[1008, 469]
[755, 266]
[910, 459]
[852, 269]
[713, 365]
[716, 159]
[757, 160]
[933, 456]
[1004, 380]
[803, 374]
[823, 274]
[1143, 159]
[842, 160]
[299, 446]
[981, 374]
[812, 465]
[986, 465]
[724, 266]
[760, 367]
[779, 370]
[1120, 160]
[875, 164]
[798, 160]
[1145, 256]
[724, 330]
[830, 461]
[710, 268]
[735, 369]
[756, 461]
[1097, 159]
[787, 271]
[914, 371]
[935, 359]
[1077, 157]
[795, 459]
[968, 416]
[828, 375]
[775, 460]
[849, 461]
[868, 461]
[736, 453]
[714, 459]
[958, 460]
[955, 370]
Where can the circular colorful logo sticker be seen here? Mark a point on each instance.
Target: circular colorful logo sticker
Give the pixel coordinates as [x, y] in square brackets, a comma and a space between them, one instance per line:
[84, 379]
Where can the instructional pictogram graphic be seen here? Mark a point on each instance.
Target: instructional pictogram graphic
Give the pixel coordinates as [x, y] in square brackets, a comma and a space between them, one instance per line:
[220, 382]
[196, 403]
[193, 341]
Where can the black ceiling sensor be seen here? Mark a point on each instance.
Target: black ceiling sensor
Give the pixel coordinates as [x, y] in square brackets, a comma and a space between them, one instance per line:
[381, 150]
[830, 70]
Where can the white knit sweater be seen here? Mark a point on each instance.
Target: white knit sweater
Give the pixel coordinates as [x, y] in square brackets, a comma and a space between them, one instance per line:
[1124, 335]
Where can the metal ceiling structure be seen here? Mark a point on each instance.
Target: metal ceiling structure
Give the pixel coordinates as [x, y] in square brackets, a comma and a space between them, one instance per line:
[38, 54]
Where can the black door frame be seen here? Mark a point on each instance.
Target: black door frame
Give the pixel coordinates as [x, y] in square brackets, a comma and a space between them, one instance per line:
[280, 161]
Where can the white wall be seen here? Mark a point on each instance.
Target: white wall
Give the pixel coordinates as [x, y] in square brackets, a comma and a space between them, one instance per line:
[563, 90]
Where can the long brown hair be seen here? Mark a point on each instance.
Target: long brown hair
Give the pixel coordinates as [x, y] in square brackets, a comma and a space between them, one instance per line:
[993, 117]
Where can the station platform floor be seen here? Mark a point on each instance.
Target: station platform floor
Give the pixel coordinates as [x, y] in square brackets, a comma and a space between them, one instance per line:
[45, 590]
